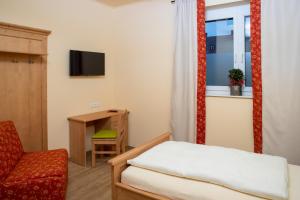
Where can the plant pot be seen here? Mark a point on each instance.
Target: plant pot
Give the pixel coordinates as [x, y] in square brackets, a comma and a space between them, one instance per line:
[236, 90]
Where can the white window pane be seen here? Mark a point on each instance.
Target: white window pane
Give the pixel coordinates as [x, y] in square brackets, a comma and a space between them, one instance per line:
[248, 70]
[219, 51]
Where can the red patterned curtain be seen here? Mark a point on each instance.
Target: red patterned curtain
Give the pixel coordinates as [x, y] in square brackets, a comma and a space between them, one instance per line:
[255, 6]
[201, 85]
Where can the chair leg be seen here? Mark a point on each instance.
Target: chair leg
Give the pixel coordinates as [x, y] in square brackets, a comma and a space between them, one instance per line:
[101, 148]
[93, 155]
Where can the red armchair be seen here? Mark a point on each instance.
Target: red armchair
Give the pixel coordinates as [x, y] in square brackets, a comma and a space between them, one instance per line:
[30, 176]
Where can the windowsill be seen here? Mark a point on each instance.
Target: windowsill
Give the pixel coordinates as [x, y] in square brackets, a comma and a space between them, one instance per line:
[229, 96]
[223, 91]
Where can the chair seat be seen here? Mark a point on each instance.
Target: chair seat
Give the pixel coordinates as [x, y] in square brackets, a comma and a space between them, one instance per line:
[39, 165]
[105, 134]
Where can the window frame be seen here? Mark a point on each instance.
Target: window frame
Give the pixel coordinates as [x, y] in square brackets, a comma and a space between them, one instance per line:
[238, 13]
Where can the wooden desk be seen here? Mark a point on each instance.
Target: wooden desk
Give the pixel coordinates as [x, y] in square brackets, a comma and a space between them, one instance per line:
[78, 125]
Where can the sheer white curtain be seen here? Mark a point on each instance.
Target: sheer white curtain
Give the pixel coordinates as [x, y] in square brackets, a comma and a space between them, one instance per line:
[183, 119]
[281, 78]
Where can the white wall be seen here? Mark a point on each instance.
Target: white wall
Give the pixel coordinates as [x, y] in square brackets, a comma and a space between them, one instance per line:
[229, 122]
[144, 56]
[75, 24]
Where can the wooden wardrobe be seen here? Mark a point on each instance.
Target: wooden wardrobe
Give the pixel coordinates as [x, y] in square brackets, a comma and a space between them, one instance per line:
[23, 83]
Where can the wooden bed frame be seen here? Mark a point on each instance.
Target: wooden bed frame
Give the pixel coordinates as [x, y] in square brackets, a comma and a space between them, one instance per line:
[118, 164]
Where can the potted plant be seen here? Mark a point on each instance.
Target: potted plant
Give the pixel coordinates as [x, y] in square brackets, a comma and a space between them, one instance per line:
[236, 77]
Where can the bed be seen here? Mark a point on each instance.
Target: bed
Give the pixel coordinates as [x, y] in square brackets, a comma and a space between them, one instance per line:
[134, 183]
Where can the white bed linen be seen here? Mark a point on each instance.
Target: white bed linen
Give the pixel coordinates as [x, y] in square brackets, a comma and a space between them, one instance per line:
[177, 188]
[256, 174]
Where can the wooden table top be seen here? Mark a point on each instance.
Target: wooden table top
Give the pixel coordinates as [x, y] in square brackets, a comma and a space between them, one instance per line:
[95, 116]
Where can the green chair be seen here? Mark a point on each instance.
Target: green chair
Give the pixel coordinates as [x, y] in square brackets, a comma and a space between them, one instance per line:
[114, 137]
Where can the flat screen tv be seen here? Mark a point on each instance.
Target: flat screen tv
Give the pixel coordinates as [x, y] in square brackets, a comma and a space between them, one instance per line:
[84, 63]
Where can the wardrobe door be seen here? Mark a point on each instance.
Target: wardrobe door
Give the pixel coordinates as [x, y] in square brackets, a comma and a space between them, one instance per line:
[21, 97]
[35, 135]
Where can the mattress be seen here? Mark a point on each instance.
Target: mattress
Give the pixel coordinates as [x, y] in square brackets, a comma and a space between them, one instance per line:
[260, 175]
[177, 188]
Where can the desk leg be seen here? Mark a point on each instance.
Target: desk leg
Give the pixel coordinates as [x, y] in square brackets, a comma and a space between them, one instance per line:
[77, 142]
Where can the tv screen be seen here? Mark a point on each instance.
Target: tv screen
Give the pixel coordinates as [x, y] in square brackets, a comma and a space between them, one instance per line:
[83, 63]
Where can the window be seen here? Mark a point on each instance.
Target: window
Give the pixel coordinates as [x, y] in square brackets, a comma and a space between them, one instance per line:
[219, 51]
[248, 72]
[227, 47]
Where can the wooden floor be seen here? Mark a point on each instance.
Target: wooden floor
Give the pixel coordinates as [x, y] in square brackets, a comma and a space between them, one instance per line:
[86, 183]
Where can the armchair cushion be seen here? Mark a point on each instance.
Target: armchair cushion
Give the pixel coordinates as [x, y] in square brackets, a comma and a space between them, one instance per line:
[11, 149]
[42, 175]
[40, 165]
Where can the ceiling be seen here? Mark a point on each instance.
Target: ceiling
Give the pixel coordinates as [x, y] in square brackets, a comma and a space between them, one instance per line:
[115, 3]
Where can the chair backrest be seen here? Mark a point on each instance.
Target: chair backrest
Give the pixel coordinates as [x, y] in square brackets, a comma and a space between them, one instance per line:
[119, 124]
[11, 149]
